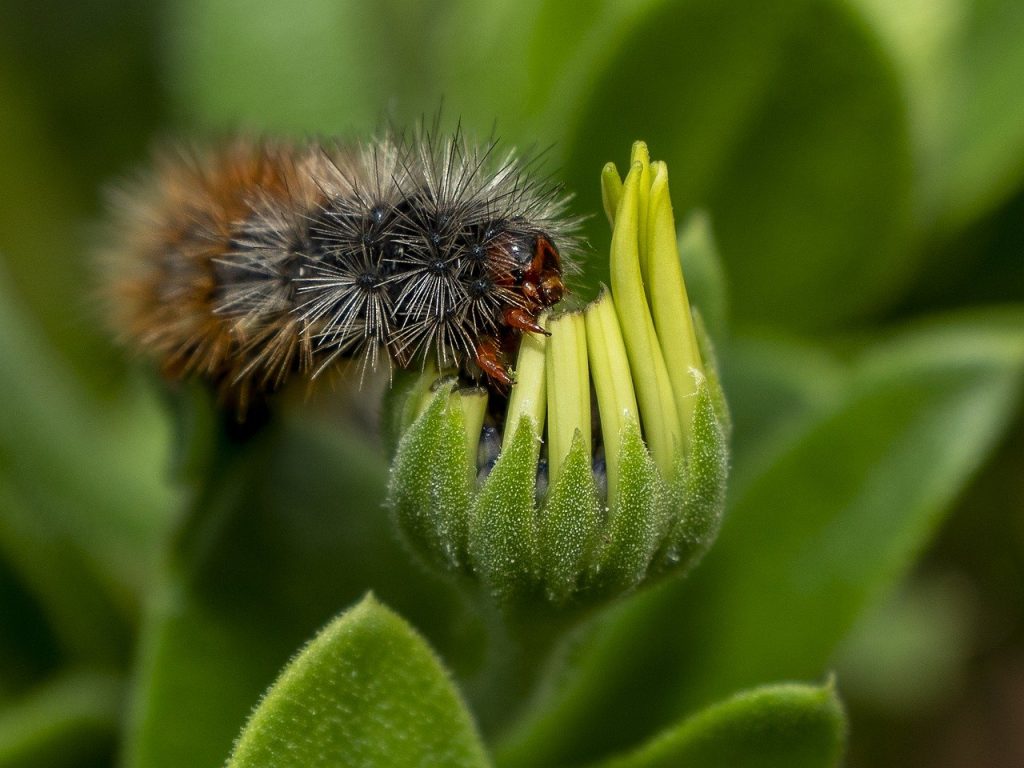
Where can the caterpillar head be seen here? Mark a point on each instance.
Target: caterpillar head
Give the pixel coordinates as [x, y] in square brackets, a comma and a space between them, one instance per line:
[541, 276]
[535, 274]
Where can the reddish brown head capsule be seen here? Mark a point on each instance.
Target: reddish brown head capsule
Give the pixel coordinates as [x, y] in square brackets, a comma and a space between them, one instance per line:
[538, 277]
[544, 277]
[537, 274]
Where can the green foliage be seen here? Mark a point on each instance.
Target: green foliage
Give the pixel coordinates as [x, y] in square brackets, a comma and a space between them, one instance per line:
[367, 691]
[64, 721]
[503, 535]
[431, 507]
[796, 726]
[858, 168]
[961, 62]
[271, 547]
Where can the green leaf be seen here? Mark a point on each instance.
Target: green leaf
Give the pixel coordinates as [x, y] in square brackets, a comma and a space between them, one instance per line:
[285, 529]
[28, 648]
[62, 722]
[705, 275]
[962, 64]
[911, 652]
[786, 122]
[316, 65]
[987, 149]
[41, 258]
[85, 621]
[778, 386]
[83, 540]
[367, 691]
[832, 517]
[789, 726]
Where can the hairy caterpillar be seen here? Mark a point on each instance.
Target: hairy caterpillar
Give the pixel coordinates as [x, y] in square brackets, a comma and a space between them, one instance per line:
[259, 260]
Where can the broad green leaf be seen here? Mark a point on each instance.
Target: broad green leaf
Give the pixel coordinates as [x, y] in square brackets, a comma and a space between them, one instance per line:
[962, 63]
[367, 691]
[40, 245]
[777, 386]
[705, 276]
[789, 726]
[521, 66]
[987, 148]
[284, 531]
[84, 503]
[314, 65]
[911, 651]
[787, 123]
[822, 528]
[66, 721]
[85, 621]
[27, 646]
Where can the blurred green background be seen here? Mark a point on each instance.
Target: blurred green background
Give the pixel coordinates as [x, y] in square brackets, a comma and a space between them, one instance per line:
[860, 164]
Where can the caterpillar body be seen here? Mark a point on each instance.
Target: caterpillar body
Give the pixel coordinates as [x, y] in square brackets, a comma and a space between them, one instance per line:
[259, 260]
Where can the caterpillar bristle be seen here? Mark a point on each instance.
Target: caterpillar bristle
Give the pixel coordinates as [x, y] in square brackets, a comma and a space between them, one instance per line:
[260, 260]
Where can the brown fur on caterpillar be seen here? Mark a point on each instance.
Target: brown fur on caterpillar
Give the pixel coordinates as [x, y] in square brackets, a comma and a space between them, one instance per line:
[260, 260]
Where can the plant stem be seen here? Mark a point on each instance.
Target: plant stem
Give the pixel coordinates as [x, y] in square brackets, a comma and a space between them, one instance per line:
[523, 650]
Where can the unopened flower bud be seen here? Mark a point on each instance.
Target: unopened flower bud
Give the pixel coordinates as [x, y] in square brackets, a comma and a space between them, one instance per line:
[607, 466]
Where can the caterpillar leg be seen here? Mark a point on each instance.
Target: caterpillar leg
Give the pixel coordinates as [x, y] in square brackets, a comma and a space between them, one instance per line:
[516, 317]
[488, 359]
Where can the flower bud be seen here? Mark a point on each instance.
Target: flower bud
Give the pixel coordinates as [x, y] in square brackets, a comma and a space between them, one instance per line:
[607, 466]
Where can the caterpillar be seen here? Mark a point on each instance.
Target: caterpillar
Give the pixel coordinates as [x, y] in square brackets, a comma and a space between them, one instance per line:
[259, 260]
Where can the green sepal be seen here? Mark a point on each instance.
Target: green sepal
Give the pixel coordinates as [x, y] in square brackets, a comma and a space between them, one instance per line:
[569, 524]
[503, 519]
[637, 521]
[788, 726]
[367, 691]
[400, 406]
[697, 492]
[429, 491]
